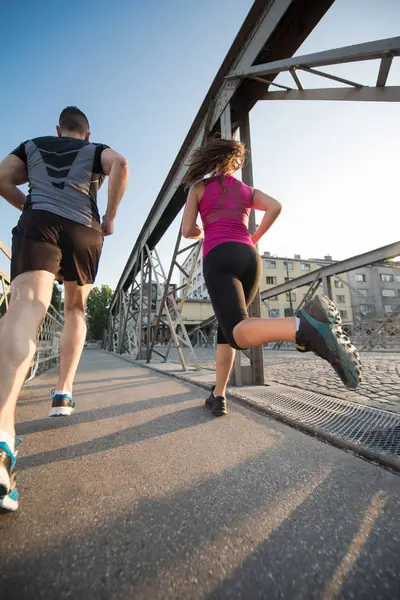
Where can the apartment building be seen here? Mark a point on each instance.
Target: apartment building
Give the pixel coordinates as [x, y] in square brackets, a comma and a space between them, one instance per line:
[375, 290]
[278, 270]
[197, 289]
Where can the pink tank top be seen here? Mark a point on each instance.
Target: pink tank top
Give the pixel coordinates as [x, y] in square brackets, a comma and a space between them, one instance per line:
[224, 209]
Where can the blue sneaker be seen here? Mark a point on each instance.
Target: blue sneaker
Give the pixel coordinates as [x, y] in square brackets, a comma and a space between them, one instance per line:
[321, 332]
[8, 488]
[62, 405]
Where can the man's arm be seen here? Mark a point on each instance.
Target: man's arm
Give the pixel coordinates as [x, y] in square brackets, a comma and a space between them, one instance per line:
[13, 173]
[116, 167]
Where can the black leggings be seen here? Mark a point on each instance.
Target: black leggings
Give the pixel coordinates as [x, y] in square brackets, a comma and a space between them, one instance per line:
[232, 272]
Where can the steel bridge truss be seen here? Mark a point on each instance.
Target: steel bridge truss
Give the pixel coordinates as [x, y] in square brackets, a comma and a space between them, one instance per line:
[274, 29]
[149, 318]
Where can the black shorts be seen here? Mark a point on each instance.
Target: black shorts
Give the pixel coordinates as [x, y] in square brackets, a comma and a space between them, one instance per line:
[232, 273]
[43, 241]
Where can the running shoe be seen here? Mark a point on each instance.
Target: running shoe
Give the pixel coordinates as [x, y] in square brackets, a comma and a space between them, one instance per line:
[209, 401]
[8, 488]
[219, 407]
[217, 404]
[62, 405]
[321, 332]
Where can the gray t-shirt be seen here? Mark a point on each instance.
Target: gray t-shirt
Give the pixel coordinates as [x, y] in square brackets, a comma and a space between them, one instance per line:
[64, 176]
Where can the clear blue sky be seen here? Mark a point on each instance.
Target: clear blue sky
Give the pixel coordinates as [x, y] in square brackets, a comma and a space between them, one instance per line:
[140, 71]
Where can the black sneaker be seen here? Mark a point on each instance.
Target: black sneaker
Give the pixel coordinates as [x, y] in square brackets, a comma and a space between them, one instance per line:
[219, 408]
[217, 404]
[209, 401]
[62, 405]
[321, 332]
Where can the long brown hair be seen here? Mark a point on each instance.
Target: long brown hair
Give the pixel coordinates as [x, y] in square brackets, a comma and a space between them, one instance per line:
[215, 156]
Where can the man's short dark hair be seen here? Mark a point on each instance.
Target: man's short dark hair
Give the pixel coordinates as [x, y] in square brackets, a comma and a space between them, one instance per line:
[73, 119]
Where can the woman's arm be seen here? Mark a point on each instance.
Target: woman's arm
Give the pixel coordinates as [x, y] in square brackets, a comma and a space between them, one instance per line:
[272, 209]
[190, 229]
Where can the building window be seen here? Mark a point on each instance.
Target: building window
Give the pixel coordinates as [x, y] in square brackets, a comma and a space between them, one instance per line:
[338, 284]
[387, 277]
[389, 293]
[365, 308]
[340, 299]
[360, 277]
[273, 313]
[287, 279]
[293, 298]
[363, 292]
[273, 299]
[305, 267]
[270, 264]
[389, 308]
[288, 265]
[289, 312]
[271, 280]
[343, 314]
[398, 278]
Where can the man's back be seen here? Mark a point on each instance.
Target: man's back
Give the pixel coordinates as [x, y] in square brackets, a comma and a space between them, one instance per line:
[64, 176]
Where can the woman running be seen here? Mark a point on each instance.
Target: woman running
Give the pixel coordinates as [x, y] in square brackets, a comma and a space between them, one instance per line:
[232, 270]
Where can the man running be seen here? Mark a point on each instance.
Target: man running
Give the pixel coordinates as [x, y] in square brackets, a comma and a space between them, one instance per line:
[59, 235]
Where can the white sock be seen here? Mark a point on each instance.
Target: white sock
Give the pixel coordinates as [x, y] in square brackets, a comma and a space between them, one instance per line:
[297, 323]
[8, 439]
[60, 393]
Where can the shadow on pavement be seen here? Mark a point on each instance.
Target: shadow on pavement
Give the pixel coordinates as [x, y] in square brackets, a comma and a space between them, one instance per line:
[215, 540]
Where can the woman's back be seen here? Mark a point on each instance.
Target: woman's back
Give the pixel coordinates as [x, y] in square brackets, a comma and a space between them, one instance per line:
[224, 209]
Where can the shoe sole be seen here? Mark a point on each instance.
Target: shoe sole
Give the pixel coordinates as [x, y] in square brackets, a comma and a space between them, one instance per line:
[61, 411]
[219, 413]
[341, 345]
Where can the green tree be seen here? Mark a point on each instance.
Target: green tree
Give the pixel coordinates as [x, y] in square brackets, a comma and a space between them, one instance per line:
[97, 311]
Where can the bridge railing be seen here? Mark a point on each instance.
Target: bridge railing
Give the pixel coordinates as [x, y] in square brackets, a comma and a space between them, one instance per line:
[48, 339]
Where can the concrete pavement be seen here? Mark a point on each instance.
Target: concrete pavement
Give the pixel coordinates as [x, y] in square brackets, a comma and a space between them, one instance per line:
[142, 495]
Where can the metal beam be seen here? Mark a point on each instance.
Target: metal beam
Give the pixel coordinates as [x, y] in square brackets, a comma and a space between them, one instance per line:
[256, 354]
[365, 94]
[356, 53]
[5, 250]
[269, 82]
[355, 262]
[331, 77]
[296, 78]
[384, 69]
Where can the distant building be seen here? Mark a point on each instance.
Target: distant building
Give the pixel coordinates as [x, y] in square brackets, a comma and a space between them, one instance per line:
[278, 270]
[375, 291]
[197, 289]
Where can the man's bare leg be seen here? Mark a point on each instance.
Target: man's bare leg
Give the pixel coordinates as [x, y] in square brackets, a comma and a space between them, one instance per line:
[74, 333]
[30, 297]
